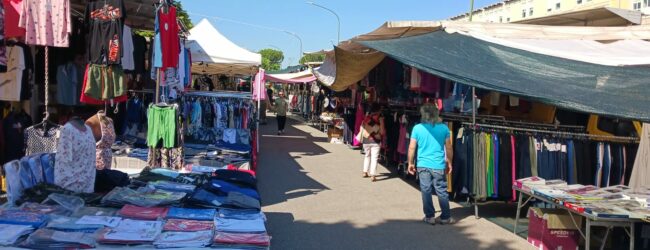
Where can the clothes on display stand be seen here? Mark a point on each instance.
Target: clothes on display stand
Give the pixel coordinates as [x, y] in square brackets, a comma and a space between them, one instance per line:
[489, 161]
[164, 136]
[76, 158]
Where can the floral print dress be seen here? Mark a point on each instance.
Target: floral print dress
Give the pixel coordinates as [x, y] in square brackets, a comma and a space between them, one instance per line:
[74, 168]
[104, 154]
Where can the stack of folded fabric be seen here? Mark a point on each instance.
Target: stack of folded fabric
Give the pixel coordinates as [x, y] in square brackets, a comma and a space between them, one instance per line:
[172, 186]
[20, 217]
[9, 234]
[102, 211]
[241, 228]
[44, 209]
[242, 240]
[143, 213]
[228, 189]
[47, 239]
[130, 232]
[184, 239]
[144, 197]
[69, 224]
[107, 221]
[191, 213]
[180, 225]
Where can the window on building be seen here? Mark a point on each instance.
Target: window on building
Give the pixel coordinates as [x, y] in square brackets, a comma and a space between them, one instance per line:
[579, 1]
[637, 5]
[646, 3]
[508, 19]
[523, 13]
[500, 19]
[557, 6]
[530, 11]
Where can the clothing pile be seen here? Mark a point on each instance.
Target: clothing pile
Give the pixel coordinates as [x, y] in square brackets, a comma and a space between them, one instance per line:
[161, 208]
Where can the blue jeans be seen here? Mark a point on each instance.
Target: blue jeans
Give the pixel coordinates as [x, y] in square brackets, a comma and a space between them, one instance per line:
[434, 179]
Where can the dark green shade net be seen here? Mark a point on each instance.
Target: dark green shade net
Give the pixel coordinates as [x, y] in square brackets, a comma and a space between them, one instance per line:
[622, 92]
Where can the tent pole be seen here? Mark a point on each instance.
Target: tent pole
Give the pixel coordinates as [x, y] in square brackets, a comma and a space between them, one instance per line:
[259, 106]
[473, 106]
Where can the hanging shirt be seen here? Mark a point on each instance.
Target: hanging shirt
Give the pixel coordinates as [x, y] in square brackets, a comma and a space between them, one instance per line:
[67, 85]
[74, 168]
[13, 8]
[139, 53]
[104, 22]
[46, 23]
[169, 41]
[11, 81]
[181, 68]
[415, 79]
[128, 62]
[40, 141]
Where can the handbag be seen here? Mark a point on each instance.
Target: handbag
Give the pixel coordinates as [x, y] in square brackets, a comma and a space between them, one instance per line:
[359, 136]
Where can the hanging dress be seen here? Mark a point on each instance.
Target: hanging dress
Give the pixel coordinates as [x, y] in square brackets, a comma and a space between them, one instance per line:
[104, 154]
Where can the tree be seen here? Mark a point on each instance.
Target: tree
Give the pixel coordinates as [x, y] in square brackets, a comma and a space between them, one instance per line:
[181, 14]
[312, 58]
[271, 59]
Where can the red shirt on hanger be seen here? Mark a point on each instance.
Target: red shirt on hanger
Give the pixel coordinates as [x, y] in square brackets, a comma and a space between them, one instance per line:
[12, 17]
[169, 37]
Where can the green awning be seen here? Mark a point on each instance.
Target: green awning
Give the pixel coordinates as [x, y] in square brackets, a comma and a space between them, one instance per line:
[606, 90]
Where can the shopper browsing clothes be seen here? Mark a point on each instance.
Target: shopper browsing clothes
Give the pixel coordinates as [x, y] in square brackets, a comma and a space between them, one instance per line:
[371, 133]
[280, 106]
[432, 140]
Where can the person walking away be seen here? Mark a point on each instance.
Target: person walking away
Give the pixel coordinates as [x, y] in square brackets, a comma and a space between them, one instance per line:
[431, 139]
[371, 133]
[281, 106]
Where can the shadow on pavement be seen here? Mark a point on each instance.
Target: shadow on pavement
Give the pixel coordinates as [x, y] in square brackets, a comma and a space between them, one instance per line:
[281, 178]
[391, 234]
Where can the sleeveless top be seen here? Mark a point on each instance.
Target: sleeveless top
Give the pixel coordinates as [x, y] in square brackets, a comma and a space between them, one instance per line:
[371, 123]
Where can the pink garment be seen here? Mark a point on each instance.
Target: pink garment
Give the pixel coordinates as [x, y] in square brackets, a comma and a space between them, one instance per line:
[358, 120]
[46, 23]
[401, 142]
[12, 17]
[415, 79]
[258, 86]
[430, 84]
[514, 164]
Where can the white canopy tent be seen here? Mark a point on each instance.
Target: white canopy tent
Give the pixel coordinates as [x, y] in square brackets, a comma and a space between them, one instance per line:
[213, 53]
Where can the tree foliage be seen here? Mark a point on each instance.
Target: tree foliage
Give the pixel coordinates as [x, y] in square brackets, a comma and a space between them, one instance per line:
[181, 14]
[271, 59]
[312, 58]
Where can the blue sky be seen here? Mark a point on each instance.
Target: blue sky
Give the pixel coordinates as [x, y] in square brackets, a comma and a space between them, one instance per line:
[315, 26]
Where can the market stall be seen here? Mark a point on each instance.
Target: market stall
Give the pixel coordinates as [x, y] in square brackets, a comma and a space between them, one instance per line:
[518, 98]
[111, 98]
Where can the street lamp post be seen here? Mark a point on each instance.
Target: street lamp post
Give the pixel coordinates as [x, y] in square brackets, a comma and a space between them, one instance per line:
[299, 39]
[338, 20]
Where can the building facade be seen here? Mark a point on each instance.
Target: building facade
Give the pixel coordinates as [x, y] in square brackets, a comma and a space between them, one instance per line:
[521, 11]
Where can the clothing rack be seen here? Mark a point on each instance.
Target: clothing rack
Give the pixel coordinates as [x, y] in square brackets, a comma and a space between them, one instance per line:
[227, 94]
[560, 133]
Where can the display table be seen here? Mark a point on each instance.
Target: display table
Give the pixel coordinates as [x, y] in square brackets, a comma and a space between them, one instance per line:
[591, 220]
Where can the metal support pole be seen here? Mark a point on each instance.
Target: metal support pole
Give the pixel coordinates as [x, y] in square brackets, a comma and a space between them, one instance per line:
[474, 106]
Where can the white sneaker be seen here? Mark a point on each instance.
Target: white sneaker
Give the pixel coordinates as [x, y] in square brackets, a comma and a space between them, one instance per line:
[431, 220]
[445, 222]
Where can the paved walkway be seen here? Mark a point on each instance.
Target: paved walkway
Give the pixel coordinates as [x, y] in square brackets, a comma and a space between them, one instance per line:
[314, 198]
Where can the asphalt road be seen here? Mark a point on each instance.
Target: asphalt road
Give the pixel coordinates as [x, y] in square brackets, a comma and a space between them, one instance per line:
[315, 198]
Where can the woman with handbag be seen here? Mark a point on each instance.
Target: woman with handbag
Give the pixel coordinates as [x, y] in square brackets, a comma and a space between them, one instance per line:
[371, 133]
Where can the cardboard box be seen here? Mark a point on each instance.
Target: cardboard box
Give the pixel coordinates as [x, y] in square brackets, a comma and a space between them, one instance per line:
[334, 132]
[553, 229]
